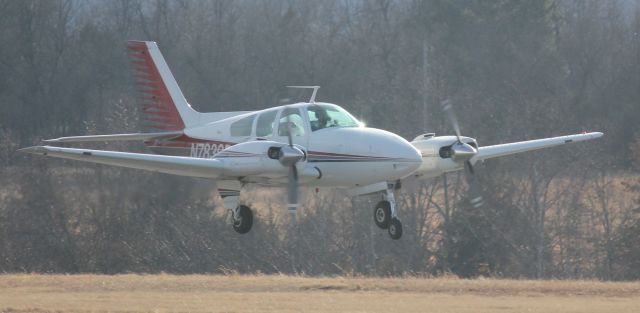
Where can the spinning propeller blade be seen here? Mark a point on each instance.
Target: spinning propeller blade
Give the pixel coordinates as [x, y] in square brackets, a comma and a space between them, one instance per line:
[292, 186]
[463, 152]
[448, 109]
[292, 189]
[289, 128]
[475, 196]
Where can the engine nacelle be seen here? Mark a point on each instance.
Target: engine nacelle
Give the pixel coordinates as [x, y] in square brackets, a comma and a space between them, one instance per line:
[437, 154]
[260, 158]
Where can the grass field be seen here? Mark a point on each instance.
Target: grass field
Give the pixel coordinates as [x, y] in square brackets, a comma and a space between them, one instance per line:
[238, 293]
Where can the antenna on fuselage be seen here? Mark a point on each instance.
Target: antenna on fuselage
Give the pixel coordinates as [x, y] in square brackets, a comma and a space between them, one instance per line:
[313, 95]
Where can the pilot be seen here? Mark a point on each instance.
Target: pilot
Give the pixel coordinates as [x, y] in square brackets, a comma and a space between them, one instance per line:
[322, 119]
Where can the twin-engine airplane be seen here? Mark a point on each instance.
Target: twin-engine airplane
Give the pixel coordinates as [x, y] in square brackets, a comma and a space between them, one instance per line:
[313, 144]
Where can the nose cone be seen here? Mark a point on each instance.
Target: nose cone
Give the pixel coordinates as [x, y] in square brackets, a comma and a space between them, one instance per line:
[404, 157]
[359, 156]
[407, 157]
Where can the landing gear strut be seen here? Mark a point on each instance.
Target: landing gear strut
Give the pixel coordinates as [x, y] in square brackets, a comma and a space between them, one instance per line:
[242, 219]
[384, 214]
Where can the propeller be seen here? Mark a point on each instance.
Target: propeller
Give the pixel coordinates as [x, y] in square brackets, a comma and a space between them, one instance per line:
[475, 195]
[460, 151]
[463, 152]
[290, 155]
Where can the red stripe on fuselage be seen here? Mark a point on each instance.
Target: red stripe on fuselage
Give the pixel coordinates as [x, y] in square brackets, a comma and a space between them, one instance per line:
[328, 154]
[185, 141]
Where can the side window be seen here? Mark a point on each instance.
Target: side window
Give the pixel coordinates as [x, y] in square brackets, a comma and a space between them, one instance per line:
[242, 127]
[296, 123]
[266, 123]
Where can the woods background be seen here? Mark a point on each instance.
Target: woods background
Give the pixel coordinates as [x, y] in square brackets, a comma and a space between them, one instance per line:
[515, 70]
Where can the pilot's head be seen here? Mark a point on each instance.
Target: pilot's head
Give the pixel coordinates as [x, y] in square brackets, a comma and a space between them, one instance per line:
[322, 115]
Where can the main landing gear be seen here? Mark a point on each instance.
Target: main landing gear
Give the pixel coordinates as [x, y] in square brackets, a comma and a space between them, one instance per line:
[241, 215]
[242, 219]
[384, 215]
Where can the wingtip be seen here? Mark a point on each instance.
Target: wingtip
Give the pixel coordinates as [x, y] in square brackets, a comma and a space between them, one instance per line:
[33, 150]
[594, 135]
[51, 140]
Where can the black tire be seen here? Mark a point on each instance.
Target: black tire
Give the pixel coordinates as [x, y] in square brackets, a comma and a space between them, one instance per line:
[243, 224]
[382, 214]
[395, 229]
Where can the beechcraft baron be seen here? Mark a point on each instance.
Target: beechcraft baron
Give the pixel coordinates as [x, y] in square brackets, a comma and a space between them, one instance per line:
[303, 144]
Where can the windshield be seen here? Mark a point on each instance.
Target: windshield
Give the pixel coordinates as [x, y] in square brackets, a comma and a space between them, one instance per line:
[324, 115]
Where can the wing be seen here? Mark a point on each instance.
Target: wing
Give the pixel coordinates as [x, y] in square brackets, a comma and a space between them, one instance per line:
[118, 137]
[183, 166]
[495, 151]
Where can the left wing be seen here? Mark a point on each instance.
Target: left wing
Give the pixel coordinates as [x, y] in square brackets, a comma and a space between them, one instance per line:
[183, 166]
[118, 137]
[489, 152]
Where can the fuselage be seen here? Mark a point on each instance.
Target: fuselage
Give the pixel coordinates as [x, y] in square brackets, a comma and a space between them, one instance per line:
[345, 152]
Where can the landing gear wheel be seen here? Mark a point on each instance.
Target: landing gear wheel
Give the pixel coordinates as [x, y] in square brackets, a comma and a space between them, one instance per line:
[243, 219]
[382, 214]
[395, 229]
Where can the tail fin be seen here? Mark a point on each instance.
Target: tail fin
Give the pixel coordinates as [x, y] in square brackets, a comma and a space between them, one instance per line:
[162, 104]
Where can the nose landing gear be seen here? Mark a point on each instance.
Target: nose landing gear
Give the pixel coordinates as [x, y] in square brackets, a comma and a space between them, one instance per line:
[395, 229]
[384, 214]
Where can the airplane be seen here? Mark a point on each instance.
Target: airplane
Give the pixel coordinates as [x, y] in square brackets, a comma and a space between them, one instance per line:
[310, 144]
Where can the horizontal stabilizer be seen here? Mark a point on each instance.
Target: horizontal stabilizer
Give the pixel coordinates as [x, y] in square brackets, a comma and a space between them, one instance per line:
[118, 137]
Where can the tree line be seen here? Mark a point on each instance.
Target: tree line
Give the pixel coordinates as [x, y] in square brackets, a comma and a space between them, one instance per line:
[514, 70]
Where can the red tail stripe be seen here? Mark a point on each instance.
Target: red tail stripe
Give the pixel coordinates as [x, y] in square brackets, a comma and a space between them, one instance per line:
[154, 93]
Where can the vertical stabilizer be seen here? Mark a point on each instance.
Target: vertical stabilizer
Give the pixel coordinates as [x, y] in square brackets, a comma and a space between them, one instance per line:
[162, 104]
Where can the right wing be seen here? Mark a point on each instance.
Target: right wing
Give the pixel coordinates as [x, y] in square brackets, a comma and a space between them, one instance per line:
[489, 152]
[183, 166]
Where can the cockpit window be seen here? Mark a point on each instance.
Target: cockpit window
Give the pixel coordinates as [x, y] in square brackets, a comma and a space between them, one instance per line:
[242, 127]
[266, 123]
[295, 122]
[323, 116]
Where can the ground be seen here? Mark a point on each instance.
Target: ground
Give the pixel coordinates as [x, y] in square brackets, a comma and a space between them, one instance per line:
[274, 293]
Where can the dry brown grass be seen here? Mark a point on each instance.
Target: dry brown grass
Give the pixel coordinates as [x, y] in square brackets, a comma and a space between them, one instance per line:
[239, 293]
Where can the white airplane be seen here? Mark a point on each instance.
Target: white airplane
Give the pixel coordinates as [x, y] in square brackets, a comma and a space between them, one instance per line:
[313, 144]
